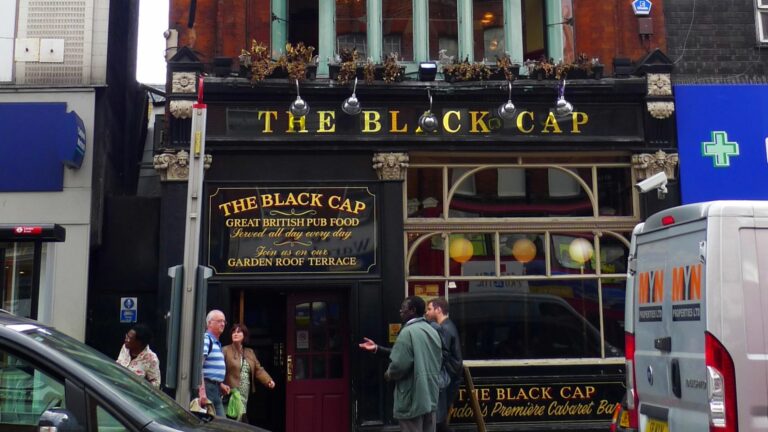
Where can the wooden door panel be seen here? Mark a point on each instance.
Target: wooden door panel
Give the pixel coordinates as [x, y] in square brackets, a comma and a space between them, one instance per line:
[317, 344]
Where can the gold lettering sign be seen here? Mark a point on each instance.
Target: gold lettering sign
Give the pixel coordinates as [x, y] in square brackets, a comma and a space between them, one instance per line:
[292, 230]
[540, 402]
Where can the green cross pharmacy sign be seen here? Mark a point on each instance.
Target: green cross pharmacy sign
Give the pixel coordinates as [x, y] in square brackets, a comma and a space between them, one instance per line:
[720, 149]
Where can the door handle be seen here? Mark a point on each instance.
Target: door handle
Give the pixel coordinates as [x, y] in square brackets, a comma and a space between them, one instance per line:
[289, 368]
[676, 385]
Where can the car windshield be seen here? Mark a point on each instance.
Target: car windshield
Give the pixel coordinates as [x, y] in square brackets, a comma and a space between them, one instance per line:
[138, 393]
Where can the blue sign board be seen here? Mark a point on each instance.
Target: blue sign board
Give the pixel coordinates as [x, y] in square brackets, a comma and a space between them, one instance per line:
[36, 141]
[128, 309]
[722, 141]
[642, 7]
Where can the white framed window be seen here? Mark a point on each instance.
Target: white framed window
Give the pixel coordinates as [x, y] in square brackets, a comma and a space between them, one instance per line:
[7, 35]
[761, 17]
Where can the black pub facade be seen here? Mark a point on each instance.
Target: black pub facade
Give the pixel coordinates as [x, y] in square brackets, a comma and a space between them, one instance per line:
[316, 228]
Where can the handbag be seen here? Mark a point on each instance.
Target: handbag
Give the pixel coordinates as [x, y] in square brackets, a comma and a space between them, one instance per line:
[235, 405]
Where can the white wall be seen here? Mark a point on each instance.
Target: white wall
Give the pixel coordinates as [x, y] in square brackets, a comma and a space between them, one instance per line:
[63, 297]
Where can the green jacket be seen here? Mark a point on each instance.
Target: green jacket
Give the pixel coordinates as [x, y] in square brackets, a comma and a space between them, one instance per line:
[415, 366]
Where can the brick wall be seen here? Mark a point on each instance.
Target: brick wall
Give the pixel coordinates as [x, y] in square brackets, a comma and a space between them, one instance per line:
[715, 41]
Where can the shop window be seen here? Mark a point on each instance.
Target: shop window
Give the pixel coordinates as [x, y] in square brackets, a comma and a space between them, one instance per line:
[517, 293]
[762, 20]
[534, 27]
[562, 184]
[472, 254]
[615, 191]
[511, 182]
[522, 254]
[20, 277]
[427, 254]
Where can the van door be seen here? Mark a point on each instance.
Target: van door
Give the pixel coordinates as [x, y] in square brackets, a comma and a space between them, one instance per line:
[750, 358]
[669, 324]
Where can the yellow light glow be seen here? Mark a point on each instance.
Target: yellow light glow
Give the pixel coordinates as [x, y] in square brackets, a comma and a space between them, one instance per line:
[461, 249]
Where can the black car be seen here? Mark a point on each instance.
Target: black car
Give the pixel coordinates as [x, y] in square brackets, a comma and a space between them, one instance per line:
[48, 379]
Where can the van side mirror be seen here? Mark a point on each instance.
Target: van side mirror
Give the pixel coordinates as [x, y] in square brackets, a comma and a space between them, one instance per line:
[58, 420]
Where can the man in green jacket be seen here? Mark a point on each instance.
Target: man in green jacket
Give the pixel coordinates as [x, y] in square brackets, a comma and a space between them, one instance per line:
[415, 362]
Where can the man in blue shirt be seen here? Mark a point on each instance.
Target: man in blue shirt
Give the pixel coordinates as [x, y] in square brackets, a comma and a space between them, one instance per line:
[214, 369]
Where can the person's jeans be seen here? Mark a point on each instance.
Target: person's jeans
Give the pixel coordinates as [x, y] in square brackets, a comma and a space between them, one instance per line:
[213, 393]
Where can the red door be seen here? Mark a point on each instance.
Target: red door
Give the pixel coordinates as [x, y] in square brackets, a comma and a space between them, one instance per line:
[317, 384]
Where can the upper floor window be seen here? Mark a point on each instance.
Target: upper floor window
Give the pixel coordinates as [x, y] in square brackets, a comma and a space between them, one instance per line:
[7, 35]
[420, 30]
[762, 20]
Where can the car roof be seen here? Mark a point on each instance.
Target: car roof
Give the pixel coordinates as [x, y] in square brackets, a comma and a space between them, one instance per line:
[7, 318]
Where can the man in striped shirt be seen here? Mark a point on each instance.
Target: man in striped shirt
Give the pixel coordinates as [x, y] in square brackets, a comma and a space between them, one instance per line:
[213, 387]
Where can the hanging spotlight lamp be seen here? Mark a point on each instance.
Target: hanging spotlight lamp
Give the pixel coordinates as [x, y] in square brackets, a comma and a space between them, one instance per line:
[507, 110]
[351, 105]
[428, 120]
[562, 106]
[299, 107]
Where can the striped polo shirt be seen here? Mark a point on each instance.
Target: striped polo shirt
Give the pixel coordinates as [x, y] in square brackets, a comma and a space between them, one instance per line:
[213, 362]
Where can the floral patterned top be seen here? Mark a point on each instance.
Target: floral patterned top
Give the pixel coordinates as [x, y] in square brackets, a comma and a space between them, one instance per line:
[144, 365]
[245, 383]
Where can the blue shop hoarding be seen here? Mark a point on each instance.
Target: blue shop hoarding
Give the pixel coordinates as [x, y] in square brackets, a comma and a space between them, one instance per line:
[36, 141]
[723, 141]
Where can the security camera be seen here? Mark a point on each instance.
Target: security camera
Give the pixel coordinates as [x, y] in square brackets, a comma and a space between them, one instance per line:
[657, 181]
[167, 34]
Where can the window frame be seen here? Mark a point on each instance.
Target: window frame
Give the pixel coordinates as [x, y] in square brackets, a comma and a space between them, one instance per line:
[513, 34]
[7, 39]
[617, 227]
[761, 9]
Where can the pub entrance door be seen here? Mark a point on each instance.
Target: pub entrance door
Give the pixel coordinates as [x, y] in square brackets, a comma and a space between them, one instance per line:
[317, 363]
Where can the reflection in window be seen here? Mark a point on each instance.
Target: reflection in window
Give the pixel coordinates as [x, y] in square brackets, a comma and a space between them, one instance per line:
[26, 392]
[550, 319]
[106, 422]
[573, 254]
[17, 282]
[443, 28]
[472, 254]
[534, 41]
[300, 367]
[522, 254]
[397, 25]
[429, 257]
[488, 29]
[318, 367]
[303, 22]
[351, 27]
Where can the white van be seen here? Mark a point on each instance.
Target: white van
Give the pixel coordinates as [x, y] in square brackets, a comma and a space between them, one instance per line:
[697, 319]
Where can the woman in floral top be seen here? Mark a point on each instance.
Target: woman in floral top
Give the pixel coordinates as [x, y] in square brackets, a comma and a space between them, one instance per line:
[243, 368]
[137, 357]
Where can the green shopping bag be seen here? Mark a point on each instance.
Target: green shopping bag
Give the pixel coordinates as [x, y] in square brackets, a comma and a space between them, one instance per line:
[235, 405]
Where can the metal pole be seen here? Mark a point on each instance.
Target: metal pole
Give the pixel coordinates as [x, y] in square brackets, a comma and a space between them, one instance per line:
[192, 247]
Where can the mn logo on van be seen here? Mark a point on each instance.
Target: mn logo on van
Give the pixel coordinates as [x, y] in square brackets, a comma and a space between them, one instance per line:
[686, 283]
[651, 287]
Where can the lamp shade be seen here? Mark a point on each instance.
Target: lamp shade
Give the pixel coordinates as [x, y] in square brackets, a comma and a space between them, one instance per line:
[461, 249]
[581, 250]
[524, 250]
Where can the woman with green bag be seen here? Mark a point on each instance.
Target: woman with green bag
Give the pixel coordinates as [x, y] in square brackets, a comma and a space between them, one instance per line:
[243, 369]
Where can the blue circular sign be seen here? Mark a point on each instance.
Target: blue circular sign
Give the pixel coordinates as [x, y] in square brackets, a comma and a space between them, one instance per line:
[128, 303]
